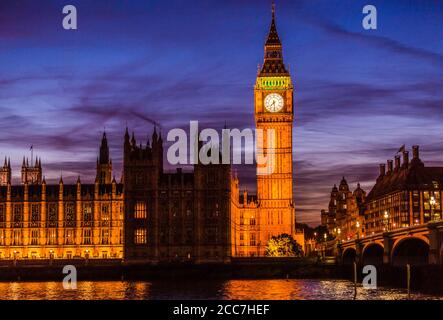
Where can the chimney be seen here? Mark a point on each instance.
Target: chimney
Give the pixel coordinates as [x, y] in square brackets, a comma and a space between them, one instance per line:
[405, 159]
[390, 166]
[382, 169]
[397, 163]
[415, 152]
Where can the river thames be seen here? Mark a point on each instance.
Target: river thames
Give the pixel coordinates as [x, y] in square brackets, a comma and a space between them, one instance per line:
[276, 289]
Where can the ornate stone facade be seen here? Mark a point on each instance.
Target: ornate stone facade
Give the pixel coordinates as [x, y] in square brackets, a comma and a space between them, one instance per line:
[272, 212]
[61, 221]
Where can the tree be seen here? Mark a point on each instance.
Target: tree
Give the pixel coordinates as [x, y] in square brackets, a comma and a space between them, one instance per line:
[283, 246]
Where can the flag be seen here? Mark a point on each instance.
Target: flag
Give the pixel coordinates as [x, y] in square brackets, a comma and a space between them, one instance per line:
[31, 148]
[402, 148]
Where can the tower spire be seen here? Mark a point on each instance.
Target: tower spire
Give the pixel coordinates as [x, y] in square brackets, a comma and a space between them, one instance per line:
[273, 62]
[273, 38]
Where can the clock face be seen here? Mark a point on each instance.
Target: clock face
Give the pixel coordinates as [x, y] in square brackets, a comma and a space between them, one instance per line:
[274, 102]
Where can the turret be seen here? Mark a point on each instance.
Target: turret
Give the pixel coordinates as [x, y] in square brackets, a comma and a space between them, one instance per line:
[5, 173]
[104, 163]
[31, 174]
[273, 60]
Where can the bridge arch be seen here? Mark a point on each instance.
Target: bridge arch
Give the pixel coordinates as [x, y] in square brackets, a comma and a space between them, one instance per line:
[411, 249]
[372, 253]
[349, 256]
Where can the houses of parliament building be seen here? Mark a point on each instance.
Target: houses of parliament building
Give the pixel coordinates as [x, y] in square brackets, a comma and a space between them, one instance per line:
[154, 215]
[61, 221]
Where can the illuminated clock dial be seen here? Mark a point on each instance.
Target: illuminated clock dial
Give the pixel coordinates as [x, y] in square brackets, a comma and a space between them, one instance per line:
[274, 102]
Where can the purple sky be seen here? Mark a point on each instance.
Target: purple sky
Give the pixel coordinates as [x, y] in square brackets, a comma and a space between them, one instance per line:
[359, 94]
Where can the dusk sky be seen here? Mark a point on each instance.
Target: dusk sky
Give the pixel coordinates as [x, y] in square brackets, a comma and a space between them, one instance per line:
[359, 94]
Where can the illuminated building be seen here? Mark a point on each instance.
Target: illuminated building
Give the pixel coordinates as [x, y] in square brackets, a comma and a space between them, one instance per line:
[61, 221]
[405, 194]
[156, 216]
[272, 212]
[345, 215]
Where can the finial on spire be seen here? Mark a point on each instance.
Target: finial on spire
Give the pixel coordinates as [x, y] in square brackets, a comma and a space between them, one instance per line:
[273, 9]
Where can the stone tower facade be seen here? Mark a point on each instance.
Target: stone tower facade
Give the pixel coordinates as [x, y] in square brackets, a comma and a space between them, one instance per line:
[5, 173]
[31, 174]
[274, 111]
[271, 212]
[174, 216]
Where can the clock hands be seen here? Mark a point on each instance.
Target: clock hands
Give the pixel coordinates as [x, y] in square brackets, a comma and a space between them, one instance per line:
[274, 102]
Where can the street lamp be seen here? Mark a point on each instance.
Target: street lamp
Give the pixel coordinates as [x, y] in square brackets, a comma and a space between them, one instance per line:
[386, 216]
[324, 245]
[432, 202]
[339, 232]
[357, 225]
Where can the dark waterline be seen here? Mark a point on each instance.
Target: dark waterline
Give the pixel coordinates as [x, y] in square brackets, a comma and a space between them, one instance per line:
[292, 289]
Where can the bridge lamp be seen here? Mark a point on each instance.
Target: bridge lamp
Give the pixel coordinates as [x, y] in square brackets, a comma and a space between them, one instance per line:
[432, 202]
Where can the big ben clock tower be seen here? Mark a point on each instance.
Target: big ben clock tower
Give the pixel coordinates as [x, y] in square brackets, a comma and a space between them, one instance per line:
[274, 111]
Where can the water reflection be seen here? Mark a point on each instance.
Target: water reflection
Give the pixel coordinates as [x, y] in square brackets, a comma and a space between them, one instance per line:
[293, 289]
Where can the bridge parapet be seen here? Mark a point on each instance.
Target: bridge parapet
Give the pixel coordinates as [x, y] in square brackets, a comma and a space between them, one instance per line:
[430, 234]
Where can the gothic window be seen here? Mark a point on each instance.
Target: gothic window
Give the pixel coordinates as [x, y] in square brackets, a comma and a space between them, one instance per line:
[34, 237]
[217, 210]
[35, 215]
[252, 221]
[52, 214]
[252, 241]
[140, 210]
[87, 234]
[70, 214]
[51, 236]
[140, 236]
[87, 214]
[105, 236]
[105, 214]
[69, 236]
[18, 215]
[17, 238]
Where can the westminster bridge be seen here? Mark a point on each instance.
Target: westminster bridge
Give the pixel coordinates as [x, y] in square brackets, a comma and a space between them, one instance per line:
[416, 245]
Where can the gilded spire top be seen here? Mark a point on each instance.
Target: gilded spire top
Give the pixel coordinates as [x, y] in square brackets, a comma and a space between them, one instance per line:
[273, 38]
[273, 61]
